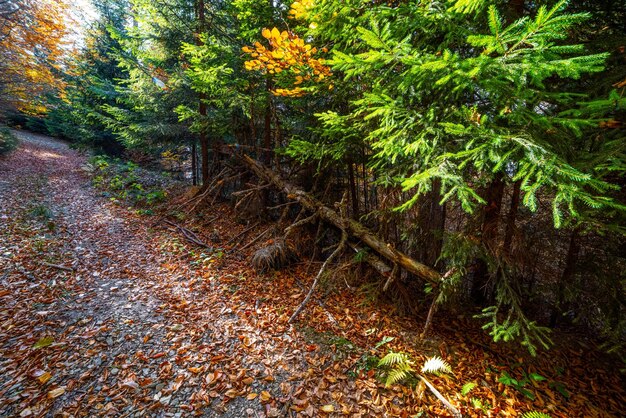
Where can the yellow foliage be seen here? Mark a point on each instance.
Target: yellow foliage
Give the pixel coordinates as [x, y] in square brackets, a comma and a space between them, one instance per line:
[31, 53]
[287, 52]
[300, 9]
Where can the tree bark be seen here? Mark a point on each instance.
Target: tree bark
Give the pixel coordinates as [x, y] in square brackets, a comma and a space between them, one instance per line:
[351, 226]
[566, 277]
[431, 222]
[267, 125]
[481, 291]
[510, 220]
[353, 196]
[202, 110]
[194, 162]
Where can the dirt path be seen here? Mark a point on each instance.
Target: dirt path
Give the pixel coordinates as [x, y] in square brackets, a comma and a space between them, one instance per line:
[93, 321]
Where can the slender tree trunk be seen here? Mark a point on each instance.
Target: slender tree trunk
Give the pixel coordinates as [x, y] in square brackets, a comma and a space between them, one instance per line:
[481, 291]
[194, 163]
[365, 186]
[267, 126]
[566, 277]
[510, 220]
[353, 196]
[253, 143]
[202, 110]
[204, 143]
[431, 221]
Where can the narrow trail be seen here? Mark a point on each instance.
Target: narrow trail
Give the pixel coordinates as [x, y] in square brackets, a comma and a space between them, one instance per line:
[118, 335]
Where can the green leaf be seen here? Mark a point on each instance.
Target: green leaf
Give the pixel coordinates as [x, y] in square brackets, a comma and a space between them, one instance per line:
[467, 388]
[44, 342]
[536, 377]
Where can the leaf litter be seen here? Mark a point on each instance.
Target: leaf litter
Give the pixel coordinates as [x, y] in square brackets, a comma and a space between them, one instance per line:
[136, 326]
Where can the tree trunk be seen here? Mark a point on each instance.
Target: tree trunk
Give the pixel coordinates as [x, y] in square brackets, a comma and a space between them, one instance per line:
[267, 126]
[481, 289]
[353, 196]
[431, 223]
[510, 220]
[194, 169]
[351, 226]
[202, 110]
[566, 277]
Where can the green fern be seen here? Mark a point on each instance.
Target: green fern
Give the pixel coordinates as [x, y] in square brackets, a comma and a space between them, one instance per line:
[436, 365]
[467, 388]
[394, 359]
[401, 367]
[535, 414]
[397, 375]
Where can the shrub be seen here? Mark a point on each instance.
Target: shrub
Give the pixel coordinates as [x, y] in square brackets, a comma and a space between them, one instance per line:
[8, 141]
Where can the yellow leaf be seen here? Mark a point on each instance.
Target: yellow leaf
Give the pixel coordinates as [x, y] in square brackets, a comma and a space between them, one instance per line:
[231, 393]
[251, 396]
[266, 33]
[44, 342]
[328, 408]
[276, 34]
[246, 49]
[44, 377]
[265, 396]
[55, 393]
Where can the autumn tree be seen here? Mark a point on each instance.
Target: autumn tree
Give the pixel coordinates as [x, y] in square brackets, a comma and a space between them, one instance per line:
[32, 46]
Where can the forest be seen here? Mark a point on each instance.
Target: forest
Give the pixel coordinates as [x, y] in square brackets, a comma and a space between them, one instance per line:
[387, 181]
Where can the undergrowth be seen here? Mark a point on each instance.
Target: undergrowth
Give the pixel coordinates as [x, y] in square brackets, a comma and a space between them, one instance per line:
[120, 181]
[8, 141]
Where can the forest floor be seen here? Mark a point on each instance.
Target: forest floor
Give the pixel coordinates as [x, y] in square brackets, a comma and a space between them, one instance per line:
[104, 312]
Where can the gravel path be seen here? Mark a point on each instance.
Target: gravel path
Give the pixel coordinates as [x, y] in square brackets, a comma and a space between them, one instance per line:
[95, 321]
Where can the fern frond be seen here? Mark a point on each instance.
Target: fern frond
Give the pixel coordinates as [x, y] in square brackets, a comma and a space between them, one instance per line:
[395, 376]
[436, 365]
[467, 388]
[394, 359]
[535, 414]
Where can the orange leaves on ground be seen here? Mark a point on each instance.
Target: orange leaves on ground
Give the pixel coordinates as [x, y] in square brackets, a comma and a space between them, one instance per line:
[287, 53]
[41, 376]
[265, 396]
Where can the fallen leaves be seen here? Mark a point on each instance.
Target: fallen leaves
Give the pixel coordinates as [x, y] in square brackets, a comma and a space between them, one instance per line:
[265, 396]
[166, 340]
[42, 376]
[55, 393]
[43, 342]
[328, 408]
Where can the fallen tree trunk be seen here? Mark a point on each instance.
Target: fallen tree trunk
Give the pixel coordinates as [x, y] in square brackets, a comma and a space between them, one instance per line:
[351, 226]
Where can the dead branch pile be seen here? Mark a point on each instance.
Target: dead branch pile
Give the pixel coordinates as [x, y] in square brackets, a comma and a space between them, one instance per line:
[350, 226]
